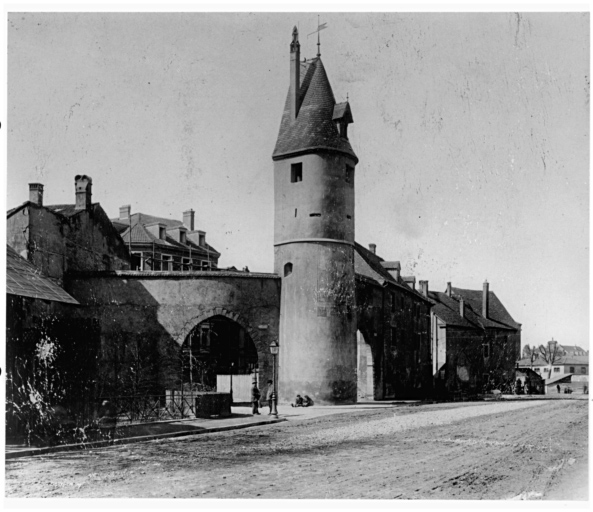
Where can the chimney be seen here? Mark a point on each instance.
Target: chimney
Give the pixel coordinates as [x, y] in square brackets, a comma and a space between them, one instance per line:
[295, 74]
[124, 213]
[424, 288]
[188, 219]
[373, 248]
[83, 186]
[36, 193]
[485, 300]
[461, 307]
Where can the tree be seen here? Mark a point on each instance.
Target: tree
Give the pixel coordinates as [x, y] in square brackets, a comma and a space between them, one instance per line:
[551, 354]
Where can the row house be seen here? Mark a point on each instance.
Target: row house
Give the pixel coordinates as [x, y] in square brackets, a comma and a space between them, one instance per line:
[162, 244]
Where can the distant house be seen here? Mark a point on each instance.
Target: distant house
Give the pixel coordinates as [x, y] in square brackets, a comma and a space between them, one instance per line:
[562, 360]
[475, 341]
[161, 244]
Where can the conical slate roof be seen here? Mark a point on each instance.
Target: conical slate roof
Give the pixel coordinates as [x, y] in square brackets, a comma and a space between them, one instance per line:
[314, 128]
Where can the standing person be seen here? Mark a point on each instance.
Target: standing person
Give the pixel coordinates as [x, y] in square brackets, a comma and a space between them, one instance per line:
[255, 394]
[269, 395]
[558, 387]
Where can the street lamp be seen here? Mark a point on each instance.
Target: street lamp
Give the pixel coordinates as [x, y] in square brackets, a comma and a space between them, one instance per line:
[274, 351]
[232, 364]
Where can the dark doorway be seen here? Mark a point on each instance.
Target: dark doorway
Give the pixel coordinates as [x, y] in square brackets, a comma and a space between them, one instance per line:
[217, 346]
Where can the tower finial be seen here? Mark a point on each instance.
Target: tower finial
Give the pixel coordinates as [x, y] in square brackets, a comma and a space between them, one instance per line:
[319, 29]
[295, 45]
[318, 42]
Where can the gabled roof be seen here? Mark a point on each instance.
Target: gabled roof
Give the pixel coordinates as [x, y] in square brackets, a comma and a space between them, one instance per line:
[67, 210]
[497, 314]
[314, 127]
[369, 265]
[25, 280]
[141, 235]
[447, 309]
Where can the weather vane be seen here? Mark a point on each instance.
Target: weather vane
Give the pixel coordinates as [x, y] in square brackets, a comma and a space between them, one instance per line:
[319, 29]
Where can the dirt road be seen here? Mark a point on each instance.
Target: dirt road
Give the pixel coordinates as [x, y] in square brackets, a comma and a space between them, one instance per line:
[521, 450]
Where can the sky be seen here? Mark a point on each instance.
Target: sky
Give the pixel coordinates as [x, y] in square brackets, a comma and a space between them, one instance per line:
[472, 132]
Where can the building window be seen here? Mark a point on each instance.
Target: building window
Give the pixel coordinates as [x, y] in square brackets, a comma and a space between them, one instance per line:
[162, 233]
[136, 261]
[202, 240]
[583, 369]
[295, 212]
[556, 369]
[392, 302]
[572, 369]
[315, 215]
[349, 174]
[167, 261]
[287, 269]
[486, 350]
[537, 370]
[183, 237]
[205, 265]
[348, 216]
[296, 173]
[185, 264]
[156, 262]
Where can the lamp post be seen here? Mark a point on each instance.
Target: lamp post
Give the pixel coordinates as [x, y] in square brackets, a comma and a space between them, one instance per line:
[232, 364]
[274, 351]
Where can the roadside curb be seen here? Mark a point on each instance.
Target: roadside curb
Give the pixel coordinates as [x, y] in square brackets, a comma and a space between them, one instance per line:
[129, 440]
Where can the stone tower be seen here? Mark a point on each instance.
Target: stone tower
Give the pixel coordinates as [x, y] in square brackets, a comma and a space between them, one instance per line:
[314, 238]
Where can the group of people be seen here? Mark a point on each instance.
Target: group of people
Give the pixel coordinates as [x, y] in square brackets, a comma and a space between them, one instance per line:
[300, 401]
[256, 395]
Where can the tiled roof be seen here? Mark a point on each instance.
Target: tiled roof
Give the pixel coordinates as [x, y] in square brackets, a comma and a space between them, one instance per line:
[314, 128]
[342, 111]
[447, 309]
[140, 235]
[25, 280]
[368, 264]
[497, 314]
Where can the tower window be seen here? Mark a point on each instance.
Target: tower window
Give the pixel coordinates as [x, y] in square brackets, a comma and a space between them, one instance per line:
[315, 215]
[349, 174]
[348, 216]
[295, 212]
[287, 269]
[296, 173]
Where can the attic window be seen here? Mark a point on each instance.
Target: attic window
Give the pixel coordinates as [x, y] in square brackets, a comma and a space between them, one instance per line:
[182, 237]
[202, 240]
[296, 173]
[162, 233]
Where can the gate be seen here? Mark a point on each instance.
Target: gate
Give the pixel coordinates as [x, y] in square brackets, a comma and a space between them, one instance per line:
[241, 386]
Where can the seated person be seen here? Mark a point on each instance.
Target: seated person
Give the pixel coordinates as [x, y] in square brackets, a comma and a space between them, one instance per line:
[298, 401]
[307, 401]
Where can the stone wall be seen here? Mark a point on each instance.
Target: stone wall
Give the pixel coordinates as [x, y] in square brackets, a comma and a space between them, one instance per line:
[149, 314]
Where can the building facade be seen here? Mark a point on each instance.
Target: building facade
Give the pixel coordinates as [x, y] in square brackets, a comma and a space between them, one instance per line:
[165, 245]
[475, 341]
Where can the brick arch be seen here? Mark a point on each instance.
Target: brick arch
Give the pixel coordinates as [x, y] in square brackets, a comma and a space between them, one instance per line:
[241, 320]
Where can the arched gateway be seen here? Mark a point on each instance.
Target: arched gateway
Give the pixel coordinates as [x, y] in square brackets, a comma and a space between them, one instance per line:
[217, 346]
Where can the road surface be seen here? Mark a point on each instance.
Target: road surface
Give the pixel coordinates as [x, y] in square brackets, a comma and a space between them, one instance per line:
[483, 450]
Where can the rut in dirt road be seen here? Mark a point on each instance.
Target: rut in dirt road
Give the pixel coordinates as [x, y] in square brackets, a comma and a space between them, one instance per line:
[494, 450]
